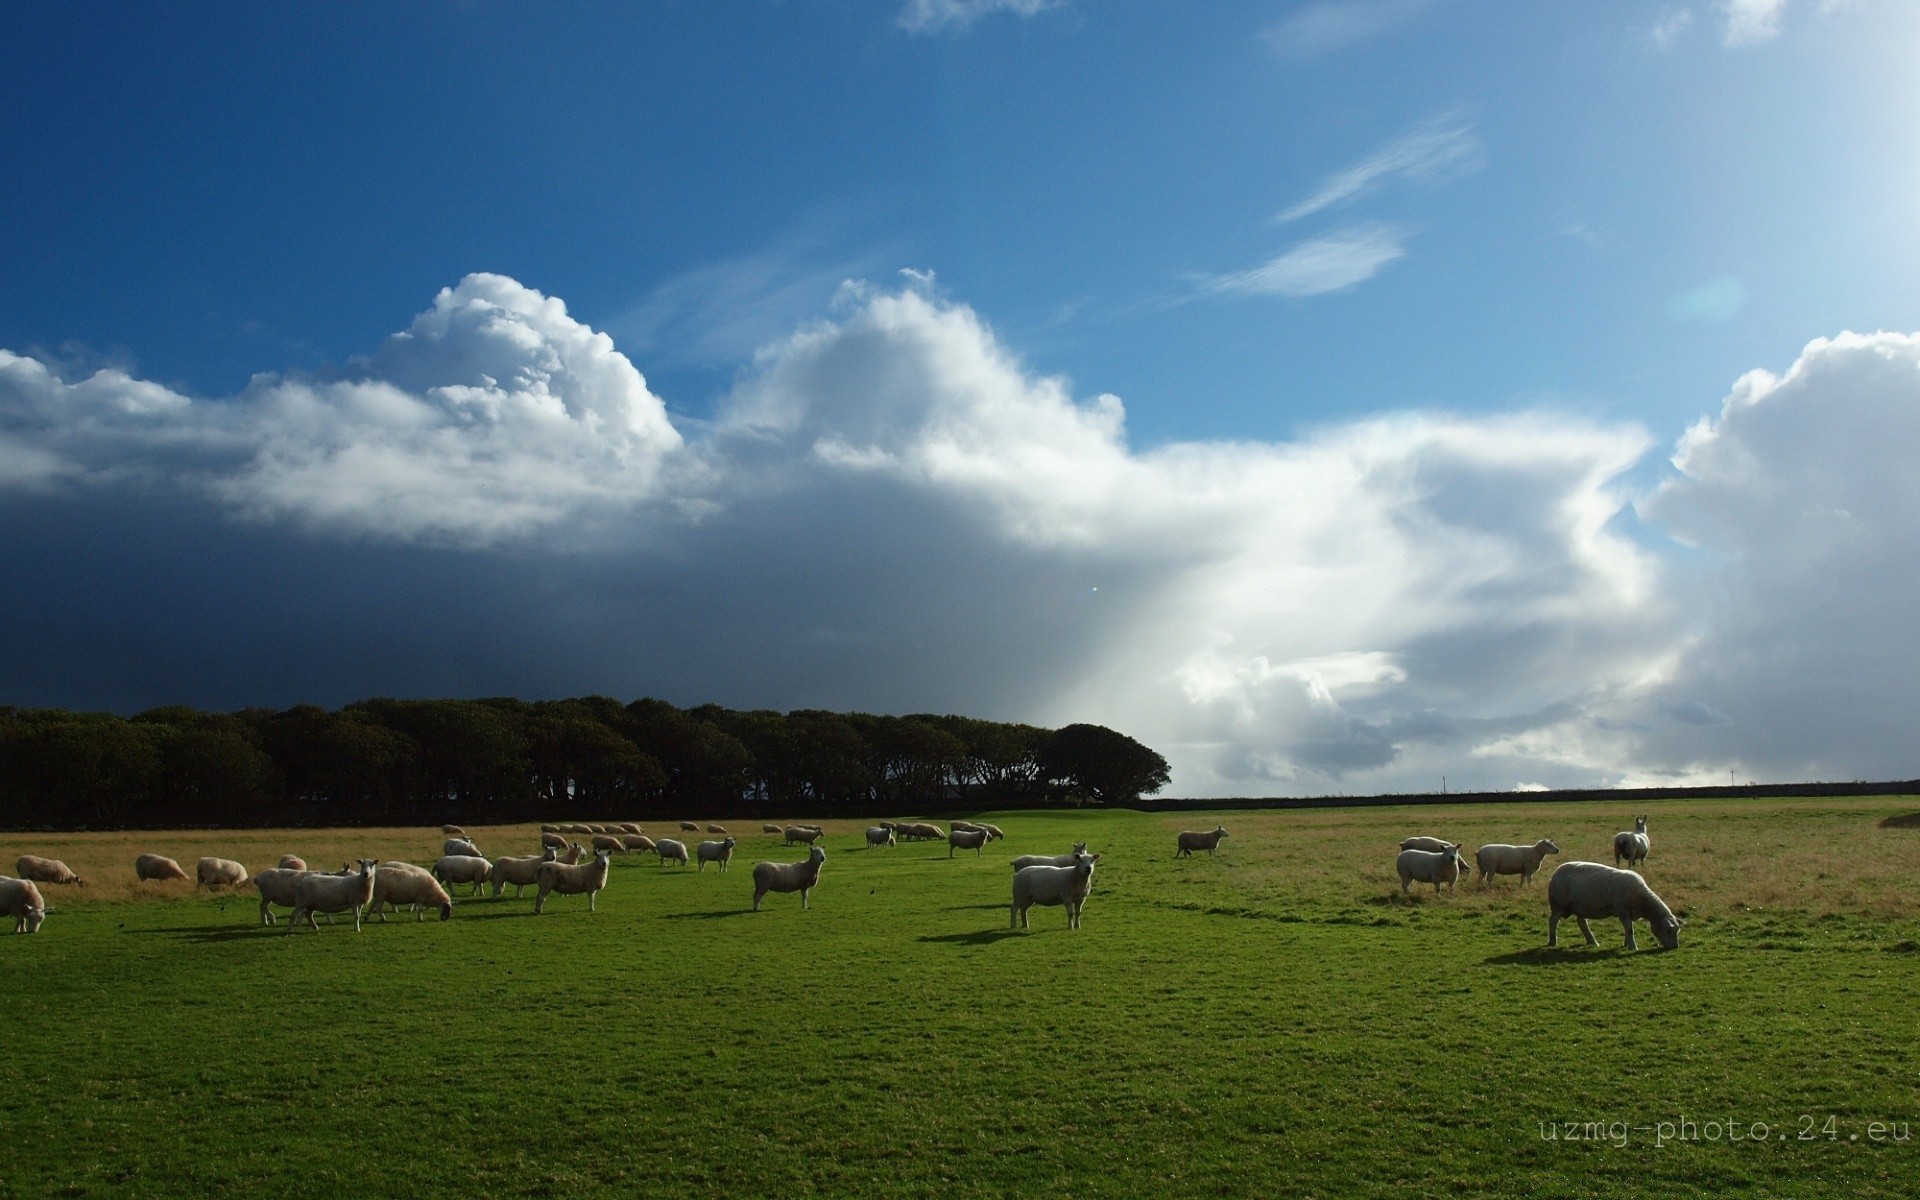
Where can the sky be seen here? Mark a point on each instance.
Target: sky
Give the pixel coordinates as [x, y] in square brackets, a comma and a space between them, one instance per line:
[1339, 396]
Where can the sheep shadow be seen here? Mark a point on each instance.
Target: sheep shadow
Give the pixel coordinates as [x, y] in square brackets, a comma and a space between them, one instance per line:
[979, 937]
[709, 916]
[205, 935]
[1554, 956]
[1001, 907]
[1903, 821]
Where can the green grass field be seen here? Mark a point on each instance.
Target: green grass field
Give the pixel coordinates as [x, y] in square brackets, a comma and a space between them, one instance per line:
[1277, 1021]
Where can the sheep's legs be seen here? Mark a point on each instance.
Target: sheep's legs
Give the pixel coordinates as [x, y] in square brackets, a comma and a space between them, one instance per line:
[1626, 923]
[1553, 928]
[1587, 932]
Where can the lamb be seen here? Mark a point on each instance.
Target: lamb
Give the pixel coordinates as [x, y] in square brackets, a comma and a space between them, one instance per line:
[464, 868]
[572, 881]
[1632, 846]
[553, 841]
[1430, 866]
[21, 900]
[719, 829]
[1524, 861]
[1067, 886]
[639, 843]
[670, 850]
[460, 846]
[1432, 845]
[690, 826]
[715, 852]
[157, 866]
[35, 869]
[773, 829]
[213, 872]
[1584, 889]
[292, 862]
[879, 835]
[519, 871]
[802, 833]
[966, 839]
[1050, 860]
[399, 883]
[313, 892]
[1191, 841]
[788, 877]
[453, 831]
[607, 841]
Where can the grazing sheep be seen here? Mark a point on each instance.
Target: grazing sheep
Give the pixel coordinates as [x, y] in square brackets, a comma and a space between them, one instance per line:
[572, 881]
[966, 839]
[1632, 846]
[715, 852]
[1067, 886]
[993, 832]
[292, 862]
[399, 883]
[639, 843]
[453, 831]
[46, 870]
[1430, 866]
[1191, 841]
[464, 868]
[879, 835]
[1524, 861]
[690, 826]
[1050, 860]
[276, 887]
[213, 872]
[773, 829]
[572, 827]
[670, 850]
[801, 833]
[21, 900]
[788, 877]
[610, 842]
[630, 827]
[719, 829]
[519, 871]
[313, 892]
[553, 841]
[462, 847]
[1583, 889]
[550, 829]
[573, 853]
[927, 831]
[962, 826]
[1432, 845]
[157, 866]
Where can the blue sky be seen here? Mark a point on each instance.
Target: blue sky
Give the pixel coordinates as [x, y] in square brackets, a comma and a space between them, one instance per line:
[892, 281]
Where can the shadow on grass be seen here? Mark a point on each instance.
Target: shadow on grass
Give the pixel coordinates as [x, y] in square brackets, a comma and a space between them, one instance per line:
[981, 937]
[709, 916]
[1903, 821]
[1553, 956]
[973, 907]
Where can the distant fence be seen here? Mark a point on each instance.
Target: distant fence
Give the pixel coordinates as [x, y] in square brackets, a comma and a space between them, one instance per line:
[1622, 796]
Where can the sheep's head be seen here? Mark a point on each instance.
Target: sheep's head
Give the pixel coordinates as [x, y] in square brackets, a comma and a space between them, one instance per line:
[446, 911]
[1547, 845]
[1667, 932]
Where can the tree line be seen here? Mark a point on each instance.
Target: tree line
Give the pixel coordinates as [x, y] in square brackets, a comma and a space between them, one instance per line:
[386, 761]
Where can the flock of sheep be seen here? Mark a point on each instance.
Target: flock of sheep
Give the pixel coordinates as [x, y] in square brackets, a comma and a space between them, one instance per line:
[1576, 889]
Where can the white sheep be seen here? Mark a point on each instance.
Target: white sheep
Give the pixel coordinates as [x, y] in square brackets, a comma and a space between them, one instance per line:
[402, 884]
[1050, 860]
[788, 877]
[1050, 886]
[157, 866]
[276, 887]
[671, 850]
[715, 852]
[1496, 858]
[773, 829]
[213, 872]
[927, 831]
[453, 831]
[962, 826]
[464, 868]
[586, 878]
[463, 847]
[879, 835]
[1431, 866]
[801, 833]
[639, 843]
[719, 829]
[519, 871]
[21, 900]
[690, 826]
[1433, 845]
[314, 892]
[994, 833]
[1191, 841]
[550, 829]
[1632, 846]
[966, 839]
[610, 842]
[1584, 889]
[46, 870]
[553, 841]
[292, 862]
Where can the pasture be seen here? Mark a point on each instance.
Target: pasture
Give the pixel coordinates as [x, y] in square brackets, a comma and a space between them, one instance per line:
[1278, 1020]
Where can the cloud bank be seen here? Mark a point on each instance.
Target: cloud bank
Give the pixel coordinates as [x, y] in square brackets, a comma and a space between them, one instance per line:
[892, 512]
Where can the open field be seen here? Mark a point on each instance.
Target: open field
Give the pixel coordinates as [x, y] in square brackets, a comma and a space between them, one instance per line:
[1276, 1021]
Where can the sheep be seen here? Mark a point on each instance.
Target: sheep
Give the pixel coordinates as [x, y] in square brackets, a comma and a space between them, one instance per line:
[690, 826]
[926, 831]
[1191, 841]
[609, 842]
[575, 827]
[572, 881]
[292, 862]
[572, 854]
[1430, 866]
[670, 850]
[460, 846]
[1050, 860]
[1432, 845]
[157, 866]
[276, 887]
[519, 871]
[993, 832]
[213, 872]
[464, 868]
[630, 827]
[788, 877]
[550, 829]
[639, 843]
[35, 869]
[453, 831]
[962, 826]
[719, 829]
[966, 839]
[553, 841]
[879, 835]
[399, 883]
[1632, 846]
[1068, 886]
[772, 829]
[1584, 889]
[313, 892]
[21, 900]
[716, 852]
[1524, 861]
[801, 833]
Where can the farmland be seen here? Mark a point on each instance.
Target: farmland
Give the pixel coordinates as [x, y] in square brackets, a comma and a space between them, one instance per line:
[1275, 1021]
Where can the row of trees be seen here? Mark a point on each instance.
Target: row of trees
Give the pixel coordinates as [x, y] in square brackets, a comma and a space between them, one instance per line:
[480, 761]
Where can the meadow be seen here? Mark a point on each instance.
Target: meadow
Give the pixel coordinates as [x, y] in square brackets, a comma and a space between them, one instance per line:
[1278, 1020]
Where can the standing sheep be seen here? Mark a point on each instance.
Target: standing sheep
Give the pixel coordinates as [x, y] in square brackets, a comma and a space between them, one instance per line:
[553, 841]
[158, 867]
[400, 883]
[213, 872]
[314, 892]
[801, 833]
[993, 832]
[719, 829]
[773, 829]
[1067, 886]
[519, 871]
[671, 850]
[21, 900]
[460, 846]
[639, 843]
[1632, 846]
[1191, 841]
[276, 887]
[966, 839]
[1050, 860]
[716, 852]
[46, 870]
[690, 826]
[879, 835]
[453, 831]
[1498, 859]
[788, 877]
[1430, 866]
[1583, 889]
[1432, 845]
[609, 842]
[587, 878]
[464, 868]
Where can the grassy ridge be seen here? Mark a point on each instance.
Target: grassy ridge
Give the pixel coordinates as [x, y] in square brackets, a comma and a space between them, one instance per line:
[1276, 1021]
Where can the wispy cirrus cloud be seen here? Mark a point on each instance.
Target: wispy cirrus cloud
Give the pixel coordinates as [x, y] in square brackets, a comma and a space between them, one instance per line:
[943, 16]
[1752, 21]
[1433, 150]
[1332, 262]
[1330, 25]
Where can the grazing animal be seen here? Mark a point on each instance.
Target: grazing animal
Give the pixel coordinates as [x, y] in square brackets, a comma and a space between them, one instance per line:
[690, 826]
[464, 868]
[1050, 860]
[788, 877]
[553, 841]
[157, 866]
[587, 878]
[399, 884]
[1498, 859]
[802, 833]
[966, 839]
[773, 829]
[1191, 841]
[550, 829]
[880, 835]
[1052, 886]
[1430, 866]
[453, 831]
[630, 827]
[213, 872]
[519, 871]
[963, 826]
[46, 870]
[640, 843]
[21, 900]
[314, 892]
[276, 887]
[993, 832]
[292, 862]
[715, 852]
[1584, 889]
[1432, 844]
[609, 842]
[671, 850]
[1632, 846]
[460, 846]
[719, 829]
